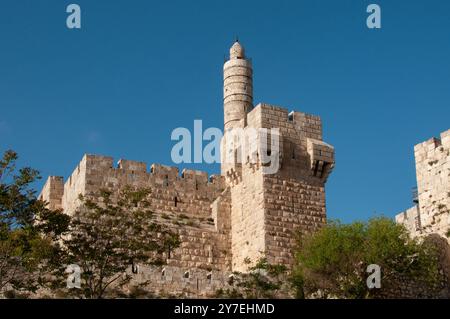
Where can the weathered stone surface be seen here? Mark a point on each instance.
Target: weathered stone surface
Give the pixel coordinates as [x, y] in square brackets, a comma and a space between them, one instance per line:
[225, 222]
[431, 215]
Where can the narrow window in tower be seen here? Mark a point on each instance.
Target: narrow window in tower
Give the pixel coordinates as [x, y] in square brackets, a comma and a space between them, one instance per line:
[134, 268]
[231, 280]
[166, 180]
[176, 201]
[293, 152]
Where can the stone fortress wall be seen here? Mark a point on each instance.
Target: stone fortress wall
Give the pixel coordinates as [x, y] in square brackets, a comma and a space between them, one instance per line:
[431, 214]
[182, 201]
[226, 222]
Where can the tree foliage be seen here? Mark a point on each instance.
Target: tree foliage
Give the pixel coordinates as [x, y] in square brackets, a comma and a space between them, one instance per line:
[28, 230]
[106, 237]
[334, 260]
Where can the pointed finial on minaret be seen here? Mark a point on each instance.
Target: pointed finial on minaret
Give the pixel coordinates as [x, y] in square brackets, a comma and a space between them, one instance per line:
[237, 51]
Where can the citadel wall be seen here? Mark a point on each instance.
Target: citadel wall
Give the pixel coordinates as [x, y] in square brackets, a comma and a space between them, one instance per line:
[432, 212]
[226, 223]
[170, 281]
[183, 202]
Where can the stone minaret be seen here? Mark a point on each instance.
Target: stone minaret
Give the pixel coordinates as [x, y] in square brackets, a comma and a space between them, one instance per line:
[237, 88]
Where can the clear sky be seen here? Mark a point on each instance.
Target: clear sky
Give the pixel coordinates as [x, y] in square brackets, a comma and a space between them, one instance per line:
[138, 69]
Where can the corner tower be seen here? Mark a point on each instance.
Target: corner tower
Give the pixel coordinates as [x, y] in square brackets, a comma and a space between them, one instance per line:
[269, 207]
[237, 88]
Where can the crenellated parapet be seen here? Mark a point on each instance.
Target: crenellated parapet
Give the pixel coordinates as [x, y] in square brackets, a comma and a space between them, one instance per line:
[292, 139]
[52, 192]
[192, 191]
[302, 153]
[433, 149]
[188, 203]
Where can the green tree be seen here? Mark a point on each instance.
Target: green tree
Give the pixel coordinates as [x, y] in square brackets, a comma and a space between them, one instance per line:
[29, 232]
[108, 235]
[334, 260]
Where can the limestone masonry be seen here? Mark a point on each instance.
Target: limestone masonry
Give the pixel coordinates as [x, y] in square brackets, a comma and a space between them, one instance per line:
[431, 213]
[225, 222]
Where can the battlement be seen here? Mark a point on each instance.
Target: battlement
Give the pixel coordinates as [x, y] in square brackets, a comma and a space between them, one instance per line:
[300, 152]
[95, 172]
[52, 192]
[184, 201]
[52, 182]
[169, 173]
[270, 116]
[433, 144]
[132, 166]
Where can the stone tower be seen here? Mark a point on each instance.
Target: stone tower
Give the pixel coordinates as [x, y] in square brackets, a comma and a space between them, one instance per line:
[237, 88]
[229, 221]
[431, 214]
[269, 209]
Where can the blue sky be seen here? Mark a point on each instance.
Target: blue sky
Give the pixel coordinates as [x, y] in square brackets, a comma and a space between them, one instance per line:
[138, 69]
